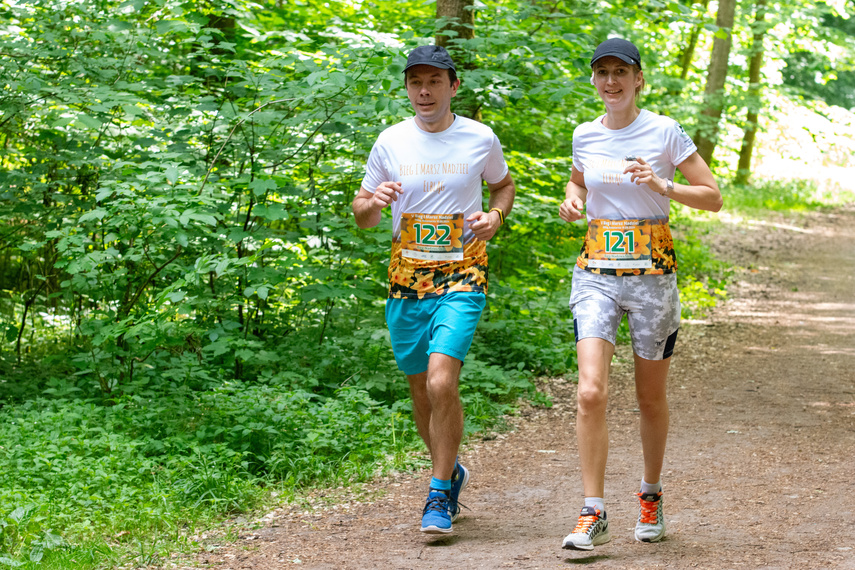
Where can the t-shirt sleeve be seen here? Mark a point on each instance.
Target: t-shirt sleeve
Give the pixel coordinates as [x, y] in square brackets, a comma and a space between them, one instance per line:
[577, 162]
[495, 169]
[678, 143]
[376, 171]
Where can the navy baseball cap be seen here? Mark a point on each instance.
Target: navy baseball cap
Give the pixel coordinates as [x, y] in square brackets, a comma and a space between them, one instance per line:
[435, 56]
[616, 47]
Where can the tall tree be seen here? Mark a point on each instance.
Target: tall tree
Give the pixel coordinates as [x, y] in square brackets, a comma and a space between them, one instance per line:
[743, 171]
[714, 91]
[456, 19]
[459, 18]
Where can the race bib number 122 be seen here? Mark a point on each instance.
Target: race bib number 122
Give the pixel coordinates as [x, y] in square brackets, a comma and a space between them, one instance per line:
[432, 237]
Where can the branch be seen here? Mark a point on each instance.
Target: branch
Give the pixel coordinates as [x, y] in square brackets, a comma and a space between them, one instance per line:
[228, 138]
[152, 276]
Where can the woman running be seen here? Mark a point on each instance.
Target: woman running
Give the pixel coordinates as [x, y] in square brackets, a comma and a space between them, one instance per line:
[623, 178]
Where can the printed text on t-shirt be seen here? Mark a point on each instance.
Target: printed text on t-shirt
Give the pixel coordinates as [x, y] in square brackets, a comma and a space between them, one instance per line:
[423, 168]
[612, 170]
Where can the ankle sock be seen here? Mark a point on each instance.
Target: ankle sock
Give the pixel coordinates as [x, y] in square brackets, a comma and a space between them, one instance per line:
[650, 488]
[596, 502]
[440, 484]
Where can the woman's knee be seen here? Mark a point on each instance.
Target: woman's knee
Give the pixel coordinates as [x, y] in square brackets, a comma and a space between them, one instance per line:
[591, 397]
[652, 403]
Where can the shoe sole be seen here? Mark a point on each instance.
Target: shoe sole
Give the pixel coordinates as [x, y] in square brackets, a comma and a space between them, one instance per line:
[462, 486]
[654, 539]
[601, 539]
[435, 530]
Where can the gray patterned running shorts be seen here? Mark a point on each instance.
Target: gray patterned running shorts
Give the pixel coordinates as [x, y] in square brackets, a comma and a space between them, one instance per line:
[651, 304]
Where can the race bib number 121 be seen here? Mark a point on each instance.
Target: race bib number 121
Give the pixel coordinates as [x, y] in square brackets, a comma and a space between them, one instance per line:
[619, 244]
[432, 237]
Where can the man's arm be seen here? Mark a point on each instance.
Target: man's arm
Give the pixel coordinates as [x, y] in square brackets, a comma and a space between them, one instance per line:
[367, 206]
[485, 225]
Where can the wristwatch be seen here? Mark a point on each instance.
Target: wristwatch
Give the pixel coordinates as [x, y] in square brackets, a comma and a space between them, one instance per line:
[669, 187]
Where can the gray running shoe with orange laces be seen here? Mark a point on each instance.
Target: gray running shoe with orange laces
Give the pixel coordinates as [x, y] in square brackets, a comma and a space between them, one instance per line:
[591, 530]
[651, 520]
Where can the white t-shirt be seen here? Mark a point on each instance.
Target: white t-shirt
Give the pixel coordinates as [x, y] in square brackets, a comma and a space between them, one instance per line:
[599, 153]
[440, 173]
[433, 249]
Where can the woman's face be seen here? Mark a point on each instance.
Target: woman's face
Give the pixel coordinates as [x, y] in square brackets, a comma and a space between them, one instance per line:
[617, 83]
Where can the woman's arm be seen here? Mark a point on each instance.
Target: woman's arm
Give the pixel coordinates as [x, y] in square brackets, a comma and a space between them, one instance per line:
[575, 196]
[701, 192]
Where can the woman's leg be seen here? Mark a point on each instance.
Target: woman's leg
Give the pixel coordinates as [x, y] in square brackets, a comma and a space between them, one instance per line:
[595, 357]
[650, 387]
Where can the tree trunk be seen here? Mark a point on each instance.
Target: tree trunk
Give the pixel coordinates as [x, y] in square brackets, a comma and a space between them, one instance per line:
[461, 26]
[462, 21]
[714, 91]
[743, 171]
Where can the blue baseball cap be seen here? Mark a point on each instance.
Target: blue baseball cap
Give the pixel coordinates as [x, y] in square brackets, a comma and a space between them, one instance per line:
[435, 56]
[616, 47]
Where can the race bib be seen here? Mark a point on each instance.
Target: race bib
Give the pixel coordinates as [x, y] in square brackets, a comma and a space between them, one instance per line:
[432, 237]
[619, 244]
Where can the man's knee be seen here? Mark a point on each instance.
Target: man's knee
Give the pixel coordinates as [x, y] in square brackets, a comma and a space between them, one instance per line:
[443, 377]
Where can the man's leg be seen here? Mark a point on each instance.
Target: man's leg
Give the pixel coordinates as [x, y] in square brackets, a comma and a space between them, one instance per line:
[438, 412]
[446, 416]
[421, 406]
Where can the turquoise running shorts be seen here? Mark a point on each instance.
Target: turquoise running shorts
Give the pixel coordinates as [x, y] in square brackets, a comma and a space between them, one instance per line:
[444, 324]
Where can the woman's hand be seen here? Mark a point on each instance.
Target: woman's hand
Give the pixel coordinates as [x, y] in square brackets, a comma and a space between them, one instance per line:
[642, 173]
[570, 209]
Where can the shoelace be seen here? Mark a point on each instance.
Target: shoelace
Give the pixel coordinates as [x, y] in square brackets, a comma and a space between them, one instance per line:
[649, 510]
[438, 503]
[585, 523]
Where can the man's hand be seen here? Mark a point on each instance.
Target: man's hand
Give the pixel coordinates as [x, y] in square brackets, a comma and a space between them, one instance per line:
[570, 209]
[386, 193]
[368, 205]
[484, 224]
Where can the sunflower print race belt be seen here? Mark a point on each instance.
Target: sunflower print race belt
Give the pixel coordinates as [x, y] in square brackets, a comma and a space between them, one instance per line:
[430, 258]
[628, 247]
[432, 237]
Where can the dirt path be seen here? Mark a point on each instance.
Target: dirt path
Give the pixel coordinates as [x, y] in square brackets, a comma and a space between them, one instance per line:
[760, 468]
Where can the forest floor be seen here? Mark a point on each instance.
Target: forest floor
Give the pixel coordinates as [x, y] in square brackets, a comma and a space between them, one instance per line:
[760, 467]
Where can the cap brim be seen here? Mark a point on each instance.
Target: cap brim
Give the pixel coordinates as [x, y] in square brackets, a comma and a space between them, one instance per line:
[430, 63]
[624, 58]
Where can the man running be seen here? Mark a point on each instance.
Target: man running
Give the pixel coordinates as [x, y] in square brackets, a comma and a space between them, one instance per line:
[429, 169]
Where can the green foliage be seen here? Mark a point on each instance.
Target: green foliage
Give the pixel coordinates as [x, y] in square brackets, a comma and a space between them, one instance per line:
[696, 297]
[778, 196]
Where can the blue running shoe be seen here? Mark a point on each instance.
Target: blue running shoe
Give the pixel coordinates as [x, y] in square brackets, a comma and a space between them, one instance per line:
[459, 480]
[436, 518]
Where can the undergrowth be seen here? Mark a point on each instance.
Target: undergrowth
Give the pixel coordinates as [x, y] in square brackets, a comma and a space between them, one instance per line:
[95, 480]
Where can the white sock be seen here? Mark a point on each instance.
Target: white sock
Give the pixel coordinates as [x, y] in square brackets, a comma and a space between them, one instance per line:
[648, 488]
[596, 502]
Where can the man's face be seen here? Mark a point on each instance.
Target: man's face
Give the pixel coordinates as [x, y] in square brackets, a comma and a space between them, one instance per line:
[430, 91]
